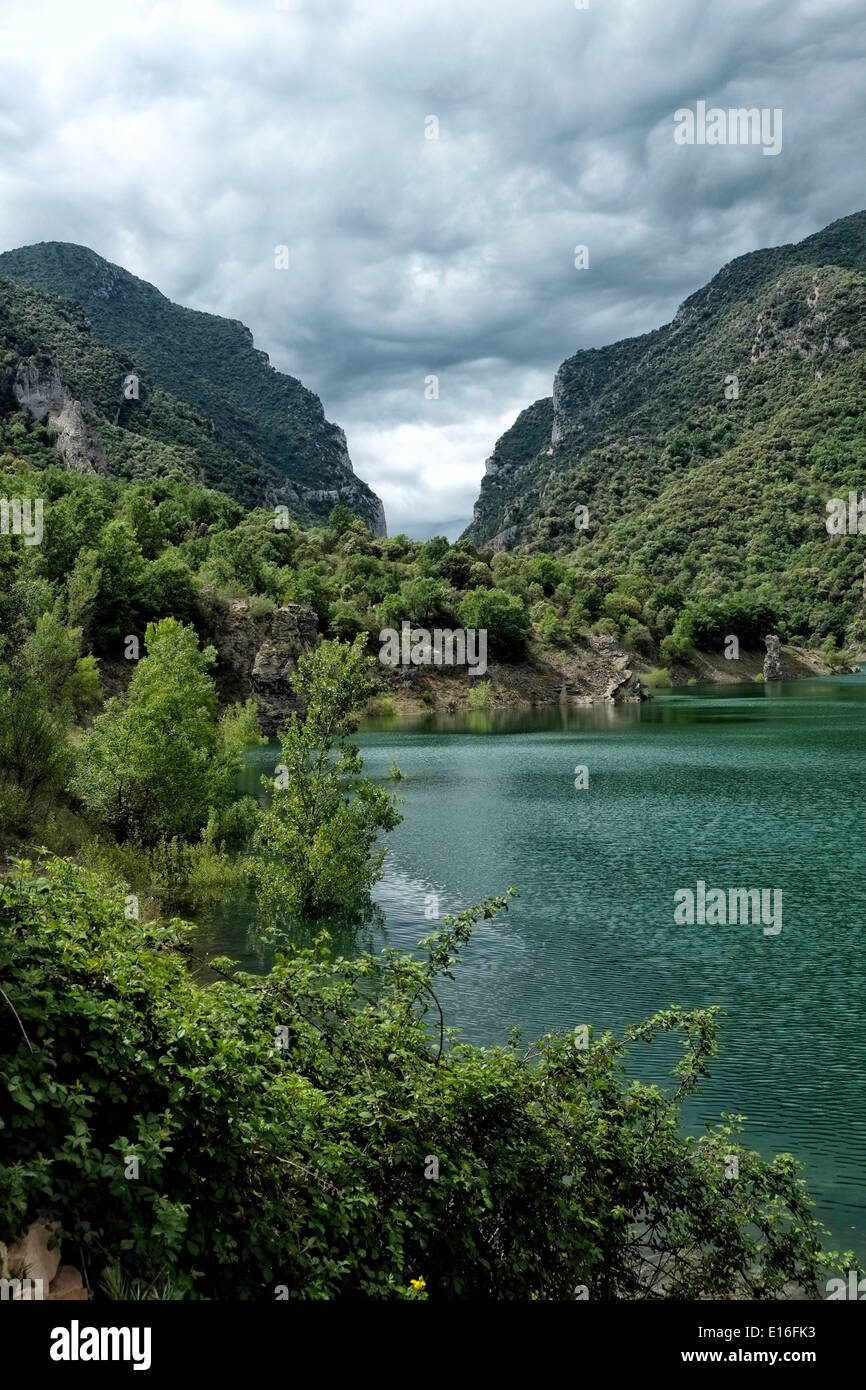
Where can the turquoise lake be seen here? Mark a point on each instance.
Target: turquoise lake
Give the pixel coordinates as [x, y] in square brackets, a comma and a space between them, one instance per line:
[741, 786]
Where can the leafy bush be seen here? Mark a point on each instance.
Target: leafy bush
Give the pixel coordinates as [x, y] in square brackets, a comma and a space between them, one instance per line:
[380, 707]
[479, 695]
[503, 615]
[675, 647]
[35, 757]
[318, 834]
[706, 625]
[639, 639]
[156, 761]
[320, 1130]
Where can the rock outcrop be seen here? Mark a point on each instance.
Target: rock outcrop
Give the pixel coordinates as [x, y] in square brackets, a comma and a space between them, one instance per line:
[258, 653]
[35, 1264]
[41, 392]
[294, 629]
[621, 683]
[773, 670]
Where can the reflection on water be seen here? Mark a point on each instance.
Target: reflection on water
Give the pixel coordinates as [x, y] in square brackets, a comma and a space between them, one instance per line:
[746, 786]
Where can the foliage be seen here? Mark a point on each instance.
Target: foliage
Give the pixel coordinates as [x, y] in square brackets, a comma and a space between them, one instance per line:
[175, 872]
[503, 615]
[50, 658]
[380, 707]
[156, 760]
[284, 1127]
[479, 695]
[657, 679]
[318, 834]
[35, 758]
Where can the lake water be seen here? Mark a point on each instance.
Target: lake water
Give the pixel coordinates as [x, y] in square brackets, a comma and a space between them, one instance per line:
[743, 786]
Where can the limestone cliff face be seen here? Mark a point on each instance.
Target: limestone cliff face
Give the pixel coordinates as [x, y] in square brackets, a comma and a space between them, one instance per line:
[293, 632]
[799, 320]
[258, 655]
[41, 392]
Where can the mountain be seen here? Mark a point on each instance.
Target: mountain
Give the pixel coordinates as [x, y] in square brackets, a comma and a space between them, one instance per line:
[207, 395]
[705, 452]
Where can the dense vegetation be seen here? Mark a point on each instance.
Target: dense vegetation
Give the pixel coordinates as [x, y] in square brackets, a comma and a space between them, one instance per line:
[698, 495]
[316, 1134]
[317, 837]
[208, 398]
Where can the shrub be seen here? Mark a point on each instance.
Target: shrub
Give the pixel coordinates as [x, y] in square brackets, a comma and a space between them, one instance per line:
[380, 707]
[301, 1162]
[35, 757]
[675, 648]
[261, 606]
[479, 695]
[639, 639]
[317, 838]
[156, 761]
[503, 615]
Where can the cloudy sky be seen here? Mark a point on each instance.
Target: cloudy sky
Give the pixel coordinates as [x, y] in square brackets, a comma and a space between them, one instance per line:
[186, 141]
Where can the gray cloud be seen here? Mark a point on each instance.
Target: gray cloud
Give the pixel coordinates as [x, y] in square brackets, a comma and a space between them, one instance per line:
[186, 141]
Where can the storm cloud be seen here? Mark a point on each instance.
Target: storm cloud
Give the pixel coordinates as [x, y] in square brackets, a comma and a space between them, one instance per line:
[187, 141]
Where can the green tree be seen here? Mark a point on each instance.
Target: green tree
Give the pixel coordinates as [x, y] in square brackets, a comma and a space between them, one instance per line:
[121, 577]
[82, 589]
[146, 523]
[168, 588]
[503, 615]
[421, 601]
[35, 755]
[50, 658]
[318, 835]
[155, 761]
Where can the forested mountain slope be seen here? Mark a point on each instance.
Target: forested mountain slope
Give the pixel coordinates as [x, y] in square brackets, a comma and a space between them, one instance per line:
[706, 451]
[222, 413]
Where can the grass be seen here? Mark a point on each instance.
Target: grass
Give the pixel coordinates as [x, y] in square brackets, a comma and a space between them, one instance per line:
[479, 695]
[380, 707]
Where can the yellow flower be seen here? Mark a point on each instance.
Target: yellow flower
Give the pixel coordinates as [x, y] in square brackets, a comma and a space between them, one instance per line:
[418, 1283]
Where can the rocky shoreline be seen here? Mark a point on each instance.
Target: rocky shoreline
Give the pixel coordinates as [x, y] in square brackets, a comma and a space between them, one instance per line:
[258, 654]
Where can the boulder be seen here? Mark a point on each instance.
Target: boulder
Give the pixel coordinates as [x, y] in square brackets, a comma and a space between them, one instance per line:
[67, 1286]
[34, 1258]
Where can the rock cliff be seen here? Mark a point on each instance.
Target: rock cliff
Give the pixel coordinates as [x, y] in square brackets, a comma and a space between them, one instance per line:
[40, 391]
[258, 653]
